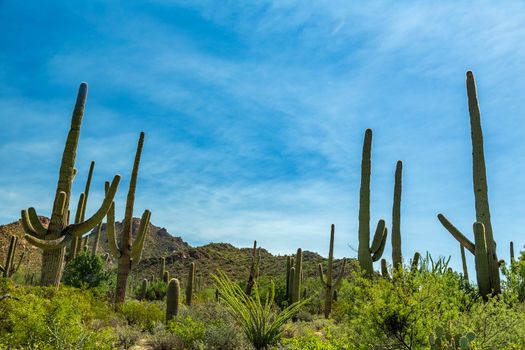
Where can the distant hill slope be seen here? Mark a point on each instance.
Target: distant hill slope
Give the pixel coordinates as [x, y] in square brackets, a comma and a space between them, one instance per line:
[179, 254]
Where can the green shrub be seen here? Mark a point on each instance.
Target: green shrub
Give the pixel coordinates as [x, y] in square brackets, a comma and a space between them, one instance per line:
[187, 329]
[143, 314]
[156, 290]
[85, 270]
[50, 318]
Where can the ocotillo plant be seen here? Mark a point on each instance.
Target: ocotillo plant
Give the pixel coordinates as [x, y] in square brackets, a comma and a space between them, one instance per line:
[297, 274]
[366, 254]
[329, 286]
[254, 268]
[172, 299]
[190, 283]
[8, 268]
[54, 238]
[76, 243]
[480, 190]
[464, 262]
[397, 258]
[127, 253]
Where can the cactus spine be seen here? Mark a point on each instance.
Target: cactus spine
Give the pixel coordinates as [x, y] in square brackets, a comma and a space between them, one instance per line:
[254, 268]
[54, 238]
[464, 263]
[480, 196]
[172, 299]
[397, 259]
[330, 287]
[366, 254]
[127, 253]
[8, 269]
[297, 275]
[189, 285]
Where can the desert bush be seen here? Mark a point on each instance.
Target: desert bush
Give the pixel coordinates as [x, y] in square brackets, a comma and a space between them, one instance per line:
[85, 270]
[127, 337]
[143, 314]
[164, 340]
[187, 329]
[51, 318]
[381, 313]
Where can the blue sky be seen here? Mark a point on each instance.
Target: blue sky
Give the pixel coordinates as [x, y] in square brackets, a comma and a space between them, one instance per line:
[254, 113]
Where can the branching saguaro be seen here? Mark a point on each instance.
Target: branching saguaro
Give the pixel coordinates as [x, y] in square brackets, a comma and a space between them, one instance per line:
[59, 233]
[127, 253]
[368, 254]
[492, 282]
[330, 287]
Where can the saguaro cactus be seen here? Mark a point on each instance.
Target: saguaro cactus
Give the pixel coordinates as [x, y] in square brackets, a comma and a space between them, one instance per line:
[289, 280]
[415, 262]
[96, 240]
[143, 289]
[397, 259]
[480, 191]
[190, 283]
[54, 238]
[384, 269]
[511, 252]
[162, 268]
[127, 253]
[292, 281]
[8, 268]
[297, 275]
[254, 268]
[166, 276]
[76, 243]
[366, 254]
[172, 299]
[464, 262]
[329, 286]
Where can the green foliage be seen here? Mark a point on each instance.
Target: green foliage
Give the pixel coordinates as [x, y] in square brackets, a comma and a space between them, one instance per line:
[155, 290]
[260, 323]
[51, 318]
[143, 314]
[187, 329]
[86, 270]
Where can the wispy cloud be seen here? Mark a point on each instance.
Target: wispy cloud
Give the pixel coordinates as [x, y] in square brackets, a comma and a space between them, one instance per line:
[254, 113]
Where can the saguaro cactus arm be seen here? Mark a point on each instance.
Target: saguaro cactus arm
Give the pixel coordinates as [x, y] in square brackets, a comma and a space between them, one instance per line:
[339, 280]
[460, 237]
[26, 224]
[35, 222]
[321, 275]
[378, 252]
[138, 244]
[79, 229]
[47, 244]
[110, 231]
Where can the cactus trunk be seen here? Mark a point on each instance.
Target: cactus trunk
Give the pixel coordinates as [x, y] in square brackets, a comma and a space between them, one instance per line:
[365, 260]
[172, 299]
[480, 183]
[397, 259]
[298, 273]
[190, 283]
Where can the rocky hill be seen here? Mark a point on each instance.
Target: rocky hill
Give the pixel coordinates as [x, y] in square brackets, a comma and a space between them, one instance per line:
[178, 254]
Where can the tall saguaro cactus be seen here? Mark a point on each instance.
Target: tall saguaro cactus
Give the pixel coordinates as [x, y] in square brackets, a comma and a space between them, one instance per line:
[128, 253]
[297, 275]
[289, 278]
[329, 286]
[190, 284]
[54, 238]
[366, 254]
[480, 191]
[464, 263]
[254, 268]
[397, 259]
